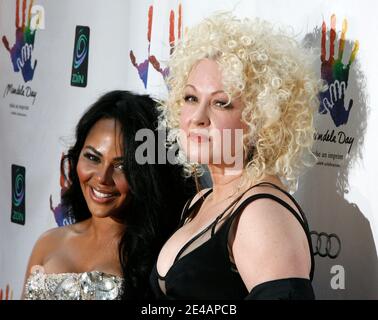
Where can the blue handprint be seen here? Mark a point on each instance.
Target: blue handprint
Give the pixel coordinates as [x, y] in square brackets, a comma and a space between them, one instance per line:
[336, 75]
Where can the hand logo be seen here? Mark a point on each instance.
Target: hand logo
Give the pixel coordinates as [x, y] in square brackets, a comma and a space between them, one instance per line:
[143, 66]
[155, 63]
[21, 51]
[336, 75]
[8, 295]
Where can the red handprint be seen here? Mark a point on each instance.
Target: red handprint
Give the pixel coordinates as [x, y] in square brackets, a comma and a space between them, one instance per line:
[143, 66]
[155, 63]
[8, 293]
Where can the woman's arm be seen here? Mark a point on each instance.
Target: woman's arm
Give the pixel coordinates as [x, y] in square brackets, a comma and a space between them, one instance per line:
[270, 244]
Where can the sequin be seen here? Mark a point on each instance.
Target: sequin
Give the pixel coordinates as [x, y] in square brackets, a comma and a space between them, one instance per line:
[94, 285]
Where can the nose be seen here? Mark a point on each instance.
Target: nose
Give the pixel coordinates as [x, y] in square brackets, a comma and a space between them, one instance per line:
[200, 117]
[105, 175]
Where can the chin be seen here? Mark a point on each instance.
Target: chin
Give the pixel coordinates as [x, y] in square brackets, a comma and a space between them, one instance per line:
[114, 212]
[100, 213]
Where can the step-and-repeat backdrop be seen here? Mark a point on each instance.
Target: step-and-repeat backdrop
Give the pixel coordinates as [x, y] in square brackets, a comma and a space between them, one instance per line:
[58, 57]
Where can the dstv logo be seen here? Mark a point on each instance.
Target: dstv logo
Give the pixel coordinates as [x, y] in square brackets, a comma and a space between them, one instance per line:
[18, 194]
[80, 57]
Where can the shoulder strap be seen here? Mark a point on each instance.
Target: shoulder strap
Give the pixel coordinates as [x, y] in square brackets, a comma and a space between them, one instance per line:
[290, 197]
[255, 197]
[188, 207]
[211, 225]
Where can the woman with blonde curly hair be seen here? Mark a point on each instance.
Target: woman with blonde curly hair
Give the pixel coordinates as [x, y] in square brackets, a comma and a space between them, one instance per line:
[242, 99]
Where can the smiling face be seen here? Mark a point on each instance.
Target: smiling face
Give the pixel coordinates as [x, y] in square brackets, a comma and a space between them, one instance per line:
[211, 126]
[100, 170]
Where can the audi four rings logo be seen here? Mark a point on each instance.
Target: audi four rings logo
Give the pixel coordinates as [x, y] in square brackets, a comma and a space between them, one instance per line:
[326, 245]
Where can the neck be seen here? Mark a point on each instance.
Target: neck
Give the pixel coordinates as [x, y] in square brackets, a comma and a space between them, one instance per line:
[225, 181]
[103, 229]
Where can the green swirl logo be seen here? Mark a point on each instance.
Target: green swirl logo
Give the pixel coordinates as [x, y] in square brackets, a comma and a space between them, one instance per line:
[80, 50]
[19, 192]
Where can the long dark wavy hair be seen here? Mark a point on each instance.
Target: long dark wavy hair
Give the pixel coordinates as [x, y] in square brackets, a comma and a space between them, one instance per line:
[158, 192]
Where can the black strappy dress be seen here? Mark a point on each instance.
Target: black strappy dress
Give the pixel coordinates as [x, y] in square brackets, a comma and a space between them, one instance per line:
[207, 271]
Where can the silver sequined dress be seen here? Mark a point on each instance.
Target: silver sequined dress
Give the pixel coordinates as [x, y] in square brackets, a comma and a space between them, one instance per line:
[93, 285]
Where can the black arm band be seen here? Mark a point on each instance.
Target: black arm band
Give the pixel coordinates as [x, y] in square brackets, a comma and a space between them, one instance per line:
[283, 289]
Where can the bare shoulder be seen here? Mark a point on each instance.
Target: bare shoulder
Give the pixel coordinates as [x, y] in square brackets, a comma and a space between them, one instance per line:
[266, 189]
[269, 242]
[48, 242]
[266, 215]
[51, 240]
[53, 234]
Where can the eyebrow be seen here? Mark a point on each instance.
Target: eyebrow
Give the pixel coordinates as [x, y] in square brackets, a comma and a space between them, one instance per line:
[213, 93]
[100, 154]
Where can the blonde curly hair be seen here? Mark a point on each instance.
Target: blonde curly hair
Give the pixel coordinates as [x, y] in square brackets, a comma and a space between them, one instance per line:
[273, 76]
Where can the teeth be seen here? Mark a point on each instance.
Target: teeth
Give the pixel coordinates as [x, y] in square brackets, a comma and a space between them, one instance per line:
[99, 194]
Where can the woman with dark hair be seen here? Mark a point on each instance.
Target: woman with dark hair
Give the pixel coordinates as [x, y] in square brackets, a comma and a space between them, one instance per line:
[123, 210]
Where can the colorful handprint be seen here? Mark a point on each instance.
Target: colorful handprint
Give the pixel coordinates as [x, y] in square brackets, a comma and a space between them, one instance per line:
[21, 51]
[62, 212]
[8, 293]
[144, 66]
[155, 63]
[336, 75]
